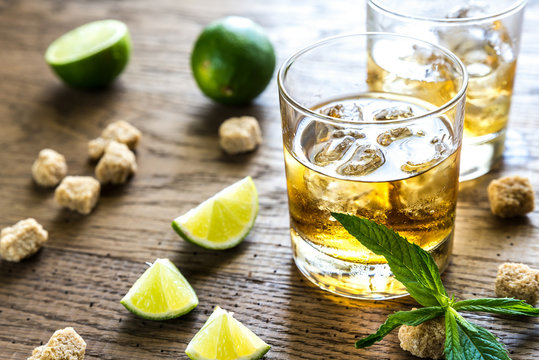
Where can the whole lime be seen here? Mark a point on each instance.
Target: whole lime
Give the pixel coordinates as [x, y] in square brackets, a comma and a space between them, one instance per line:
[92, 55]
[233, 60]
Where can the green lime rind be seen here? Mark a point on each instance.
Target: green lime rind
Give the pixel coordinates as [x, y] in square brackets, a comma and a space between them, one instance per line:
[99, 64]
[258, 355]
[147, 281]
[157, 317]
[233, 60]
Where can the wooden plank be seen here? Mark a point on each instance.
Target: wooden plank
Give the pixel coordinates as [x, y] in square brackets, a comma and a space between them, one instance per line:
[90, 262]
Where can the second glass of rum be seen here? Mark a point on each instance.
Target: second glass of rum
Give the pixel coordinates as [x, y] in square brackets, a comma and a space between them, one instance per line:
[485, 35]
[351, 146]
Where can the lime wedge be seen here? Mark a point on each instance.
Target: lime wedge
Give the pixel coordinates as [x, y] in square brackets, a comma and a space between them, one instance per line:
[91, 55]
[224, 338]
[222, 221]
[160, 293]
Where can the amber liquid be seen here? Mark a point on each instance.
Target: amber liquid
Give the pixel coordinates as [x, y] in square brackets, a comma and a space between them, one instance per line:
[488, 54]
[409, 184]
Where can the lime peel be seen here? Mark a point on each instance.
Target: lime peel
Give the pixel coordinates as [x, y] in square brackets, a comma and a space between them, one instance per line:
[91, 55]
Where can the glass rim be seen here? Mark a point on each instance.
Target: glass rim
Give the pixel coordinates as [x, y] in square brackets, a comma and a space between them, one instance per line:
[440, 110]
[515, 7]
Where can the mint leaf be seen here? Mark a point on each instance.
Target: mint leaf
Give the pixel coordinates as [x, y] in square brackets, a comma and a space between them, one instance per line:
[412, 318]
[411, 265]
[479, 344]
[452, 347]
[416, 270]
[503, 306]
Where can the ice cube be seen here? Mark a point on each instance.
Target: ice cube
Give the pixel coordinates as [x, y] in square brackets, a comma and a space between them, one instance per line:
[333, 111]
[430, 65]
[368, 200]
[416, 167]
[332, 150]
[481, 48]
[322, 191]
[322, 131]
[355, 133]
[366, 159]
[500, 40]
[387, 137]
[393, 113]
[467, 11]
[481, 61]
[471, 46]
[348, 112]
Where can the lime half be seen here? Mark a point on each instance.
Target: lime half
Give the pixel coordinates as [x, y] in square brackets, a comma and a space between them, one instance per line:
[222, 221]
[160, 293]
[92, 55]
[224, 338]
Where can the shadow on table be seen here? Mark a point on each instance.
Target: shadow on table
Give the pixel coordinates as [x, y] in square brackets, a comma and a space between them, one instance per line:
[473, 196]
[79, 104]
[211, 115]
[12, 272]
[326, 326]
[165, 337]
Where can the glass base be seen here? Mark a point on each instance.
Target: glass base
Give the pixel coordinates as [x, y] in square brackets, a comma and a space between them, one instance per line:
[355, 280]
[480, 154]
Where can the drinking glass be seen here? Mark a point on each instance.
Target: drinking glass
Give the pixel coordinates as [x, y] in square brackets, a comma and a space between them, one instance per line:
[363, 135]
[486, 37]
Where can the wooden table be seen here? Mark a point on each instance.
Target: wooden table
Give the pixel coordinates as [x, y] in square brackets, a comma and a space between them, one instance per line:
[90, 262]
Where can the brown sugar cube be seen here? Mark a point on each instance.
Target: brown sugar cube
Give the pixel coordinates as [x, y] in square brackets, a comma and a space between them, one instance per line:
[425, 340]
[64, 344]
[96, 148]
[119, 131]
[518, 281]
[78, 193]
[22, 240]
[239, 134]
[49, 168]
[122, 132]
[116, 165]
[510, 196]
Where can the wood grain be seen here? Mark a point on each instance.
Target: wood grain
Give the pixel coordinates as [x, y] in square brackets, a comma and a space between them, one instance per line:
[90, 262]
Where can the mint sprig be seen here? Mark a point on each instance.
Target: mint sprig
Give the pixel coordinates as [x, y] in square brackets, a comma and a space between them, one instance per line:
[416, 270]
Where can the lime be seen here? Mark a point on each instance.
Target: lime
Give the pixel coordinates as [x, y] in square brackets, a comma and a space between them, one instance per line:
[92, 55]
[233, 60]
[160, 293]
[224, 338]
[222, 221]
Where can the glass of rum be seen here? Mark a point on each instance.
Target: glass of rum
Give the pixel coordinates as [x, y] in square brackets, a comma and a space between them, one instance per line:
[485, 35]
[361, 137]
